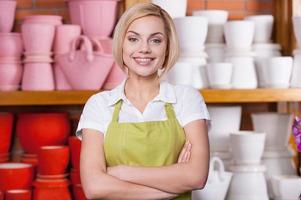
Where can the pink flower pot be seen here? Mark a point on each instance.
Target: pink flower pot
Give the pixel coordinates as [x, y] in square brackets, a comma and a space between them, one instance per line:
[6, 126]
[10, 76]
[10, 60]
[116, 75]
[97, 18]
[63, 36]
[53, 160]
[11, 45]
[43, 19]
[86, 69]
[38, 37]
[7, 15]
[61, 82]
[38, 76]
[42, 129]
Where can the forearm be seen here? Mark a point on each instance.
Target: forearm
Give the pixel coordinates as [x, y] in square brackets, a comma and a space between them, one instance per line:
[105, 186]
[176, 178]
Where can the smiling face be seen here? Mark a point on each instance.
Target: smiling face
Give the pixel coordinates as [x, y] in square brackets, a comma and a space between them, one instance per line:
[144, 46]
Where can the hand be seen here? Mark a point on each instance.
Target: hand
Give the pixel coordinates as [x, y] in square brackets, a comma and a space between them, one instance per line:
[185, 153]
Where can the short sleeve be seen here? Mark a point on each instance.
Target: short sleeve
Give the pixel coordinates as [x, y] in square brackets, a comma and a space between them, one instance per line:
[193, 107]
[93, 116]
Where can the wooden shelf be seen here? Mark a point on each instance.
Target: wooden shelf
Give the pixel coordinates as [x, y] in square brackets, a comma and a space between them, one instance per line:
[33, 98]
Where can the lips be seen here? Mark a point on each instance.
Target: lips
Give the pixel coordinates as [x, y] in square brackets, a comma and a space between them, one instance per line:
[143, 61]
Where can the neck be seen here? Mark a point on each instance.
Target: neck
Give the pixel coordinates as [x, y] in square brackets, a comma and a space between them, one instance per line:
[142, 88]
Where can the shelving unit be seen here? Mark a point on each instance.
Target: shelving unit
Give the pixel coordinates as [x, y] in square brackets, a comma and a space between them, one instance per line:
[33, 98]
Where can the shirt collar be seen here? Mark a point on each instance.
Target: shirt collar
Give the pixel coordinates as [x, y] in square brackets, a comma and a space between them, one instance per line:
[166, 94]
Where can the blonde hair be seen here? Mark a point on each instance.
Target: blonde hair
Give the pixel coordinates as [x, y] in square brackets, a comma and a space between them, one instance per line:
[142, 10]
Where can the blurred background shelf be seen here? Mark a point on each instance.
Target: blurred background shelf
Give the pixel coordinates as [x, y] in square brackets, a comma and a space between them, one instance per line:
[36, 98]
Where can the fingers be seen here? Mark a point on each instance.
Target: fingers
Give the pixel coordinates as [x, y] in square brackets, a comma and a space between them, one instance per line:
[185, 153]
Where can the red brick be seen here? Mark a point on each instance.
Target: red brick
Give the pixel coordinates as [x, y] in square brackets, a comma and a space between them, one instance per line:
[20, 14]
[24, 3]
[51, 3]
[193, 5]
[226, 5]
[260, 5]
[237, 15]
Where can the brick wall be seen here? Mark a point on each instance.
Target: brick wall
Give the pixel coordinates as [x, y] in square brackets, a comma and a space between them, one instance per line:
[237, 8]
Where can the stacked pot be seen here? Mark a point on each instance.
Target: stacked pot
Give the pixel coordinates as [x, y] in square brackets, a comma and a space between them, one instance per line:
[224, 120]
[239, 37]
[296, 77]
[277, 157]
[175, 8]
[248, 180]
[271, 72]
[75, 145]
[11, 48]
[38, 33]
[219, 73]
[35, 130]
[52, 182]
[190, 68]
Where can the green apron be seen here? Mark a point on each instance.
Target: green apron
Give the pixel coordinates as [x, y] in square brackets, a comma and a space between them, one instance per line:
[147, 144]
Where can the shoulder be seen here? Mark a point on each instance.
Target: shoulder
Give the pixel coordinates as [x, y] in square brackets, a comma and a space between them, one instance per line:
[184, 93]
[100, 100]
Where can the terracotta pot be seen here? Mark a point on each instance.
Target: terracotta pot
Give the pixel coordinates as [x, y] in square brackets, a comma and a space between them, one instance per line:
[90, 16]
[37, 37]
[10, 76]
[75, 177]
[43, 19]
[18, 195]
[78, 192]
[75, 145]
[41, 129]
[1, 195]
[6, 125]
[15, 176]
[4, 158]
[7, 15]
[11, 45]
[38, 76]
[53, 160]
[52, 177]
[50, 190]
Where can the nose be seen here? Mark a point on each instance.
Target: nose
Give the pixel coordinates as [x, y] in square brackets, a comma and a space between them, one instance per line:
[145, 47]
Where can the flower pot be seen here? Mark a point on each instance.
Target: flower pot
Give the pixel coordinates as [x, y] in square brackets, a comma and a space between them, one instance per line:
[263, 27]
[11, 45]
[15, 176]
[18, 195]
[53, 160]
[54, 20]
[175, 8]
[74, 145]
[7, 15]
[78, 192]
[97, 18]
[6, 126]
[64, 34]
[50, 190]
[10, 76]
[41, 129]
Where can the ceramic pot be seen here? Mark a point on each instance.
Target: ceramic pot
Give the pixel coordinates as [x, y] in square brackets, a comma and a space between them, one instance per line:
[41, 129]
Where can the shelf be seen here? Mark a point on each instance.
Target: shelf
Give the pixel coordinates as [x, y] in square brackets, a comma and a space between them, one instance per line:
[33, 98]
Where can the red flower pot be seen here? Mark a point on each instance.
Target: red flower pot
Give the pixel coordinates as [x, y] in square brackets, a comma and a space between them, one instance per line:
[15, 176]
[6, 125]
[51, 190]
[42, 129]
[78, 192]
[4, 158]
[53, 160]
[1, 195]
[75, 145]
[75, 177]
[18, 195]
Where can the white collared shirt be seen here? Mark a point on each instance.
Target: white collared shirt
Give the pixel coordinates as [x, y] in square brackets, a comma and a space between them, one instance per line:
[187, 102]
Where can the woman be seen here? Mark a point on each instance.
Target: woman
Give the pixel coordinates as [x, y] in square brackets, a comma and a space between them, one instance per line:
[133, 136]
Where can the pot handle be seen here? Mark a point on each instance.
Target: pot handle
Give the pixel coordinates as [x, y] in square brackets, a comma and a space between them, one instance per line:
[88, 47]
[218, 163]
[96, 44]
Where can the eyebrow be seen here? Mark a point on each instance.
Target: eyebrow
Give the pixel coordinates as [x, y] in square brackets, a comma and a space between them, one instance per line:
[150, 35]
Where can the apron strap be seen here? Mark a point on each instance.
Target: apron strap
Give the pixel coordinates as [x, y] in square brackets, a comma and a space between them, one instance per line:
[169, 111]
[116, 111]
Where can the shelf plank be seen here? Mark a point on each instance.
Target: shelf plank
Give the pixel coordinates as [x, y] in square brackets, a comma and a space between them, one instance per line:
[36, 98]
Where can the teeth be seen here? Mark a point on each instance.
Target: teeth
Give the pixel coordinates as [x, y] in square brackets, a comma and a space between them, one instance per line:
[143, 61]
